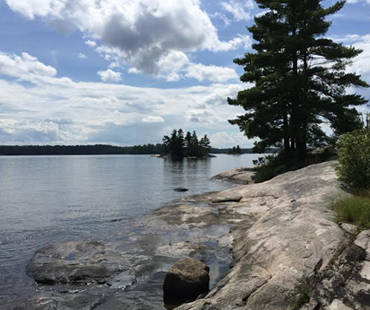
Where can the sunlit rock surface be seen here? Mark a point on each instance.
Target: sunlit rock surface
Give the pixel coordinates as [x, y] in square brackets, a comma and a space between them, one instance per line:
[285, 233]
[237, 175]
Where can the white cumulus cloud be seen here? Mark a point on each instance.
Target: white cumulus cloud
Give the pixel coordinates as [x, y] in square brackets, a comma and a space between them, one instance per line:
[240, 10]
[201, 72]
[59, 110]
[110, 76]
[23, 66]
[82, 56]
[152, 119]
[143, 33]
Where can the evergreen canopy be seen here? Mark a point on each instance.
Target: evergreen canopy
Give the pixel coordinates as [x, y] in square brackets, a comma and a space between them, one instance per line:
[299, 76]
[189, 146]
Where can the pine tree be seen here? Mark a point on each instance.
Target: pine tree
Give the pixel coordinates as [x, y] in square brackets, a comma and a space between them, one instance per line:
[195, 145]
[188, 144]
[299, 77]
[205, 146]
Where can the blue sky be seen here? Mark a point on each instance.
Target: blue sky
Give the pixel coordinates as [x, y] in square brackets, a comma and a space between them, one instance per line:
[128, 72]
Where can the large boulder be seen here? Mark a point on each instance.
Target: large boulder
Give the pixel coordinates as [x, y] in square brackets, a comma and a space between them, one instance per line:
[188, 278]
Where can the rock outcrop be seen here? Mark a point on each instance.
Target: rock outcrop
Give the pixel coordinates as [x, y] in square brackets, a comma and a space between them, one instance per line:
[237, 175]
[346, 283]
[284, 234]
[187, 279]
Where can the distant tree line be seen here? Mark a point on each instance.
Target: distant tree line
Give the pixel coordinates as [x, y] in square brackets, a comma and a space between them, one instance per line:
[179, 145]
[236, 150]
[102, 149]
[98, 149]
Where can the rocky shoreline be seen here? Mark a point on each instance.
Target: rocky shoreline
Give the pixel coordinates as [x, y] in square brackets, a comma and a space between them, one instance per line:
[279, 237]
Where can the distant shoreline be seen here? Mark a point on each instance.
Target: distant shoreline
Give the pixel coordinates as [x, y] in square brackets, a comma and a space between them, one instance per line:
[98, 149]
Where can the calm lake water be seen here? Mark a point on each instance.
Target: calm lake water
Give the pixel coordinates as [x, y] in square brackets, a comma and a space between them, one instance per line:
[47, 199]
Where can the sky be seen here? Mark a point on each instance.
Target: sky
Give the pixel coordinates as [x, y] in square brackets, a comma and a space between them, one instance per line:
[128, 72]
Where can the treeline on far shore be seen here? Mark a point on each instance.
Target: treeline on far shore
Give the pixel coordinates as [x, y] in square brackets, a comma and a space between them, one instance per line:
[98, 149]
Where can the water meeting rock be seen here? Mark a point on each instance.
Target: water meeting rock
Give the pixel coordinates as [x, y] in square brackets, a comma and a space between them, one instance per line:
[74, 262]
[188, 278]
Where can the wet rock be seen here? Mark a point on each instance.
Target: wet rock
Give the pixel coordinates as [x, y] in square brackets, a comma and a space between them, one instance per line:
[181, 189]
[182, 249]
[74, 262]
[54, 300]
[188, 278]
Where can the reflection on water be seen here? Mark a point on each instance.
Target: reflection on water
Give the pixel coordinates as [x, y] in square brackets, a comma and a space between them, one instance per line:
[47, 199]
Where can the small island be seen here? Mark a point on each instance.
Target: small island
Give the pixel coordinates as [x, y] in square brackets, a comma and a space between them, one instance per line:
[178, 146]
[236, 150]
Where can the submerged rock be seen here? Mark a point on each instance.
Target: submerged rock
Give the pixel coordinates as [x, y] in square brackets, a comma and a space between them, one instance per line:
[181, 189]
[74, 262]
[188, 278]
[54, 300]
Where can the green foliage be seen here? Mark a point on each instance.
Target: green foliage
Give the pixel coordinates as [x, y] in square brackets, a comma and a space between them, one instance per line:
[189, 146]
[354, 210]
[354, 159]
[299, 77]
[303, 297]
[266, 168]
[264, 173]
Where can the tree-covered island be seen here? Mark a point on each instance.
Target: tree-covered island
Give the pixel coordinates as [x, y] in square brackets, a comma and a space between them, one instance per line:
[179, 145]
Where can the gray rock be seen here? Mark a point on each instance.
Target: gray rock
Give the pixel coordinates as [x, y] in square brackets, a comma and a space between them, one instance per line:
[363, 241]
[74, 262]
[284, 234]
[338, 305]
[188, 278]
[86, 300]
[351, 229]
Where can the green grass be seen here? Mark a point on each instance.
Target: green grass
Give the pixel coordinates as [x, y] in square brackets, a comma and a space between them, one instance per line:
[354, 210]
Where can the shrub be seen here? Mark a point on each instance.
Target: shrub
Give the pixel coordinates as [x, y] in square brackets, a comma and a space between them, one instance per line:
[354, 159]
[354, 210]
[264, 173]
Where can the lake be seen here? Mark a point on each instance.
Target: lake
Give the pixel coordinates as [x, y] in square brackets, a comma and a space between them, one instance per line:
[47, 199]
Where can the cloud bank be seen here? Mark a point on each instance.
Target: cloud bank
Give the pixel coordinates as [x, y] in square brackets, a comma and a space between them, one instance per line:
[145, 34]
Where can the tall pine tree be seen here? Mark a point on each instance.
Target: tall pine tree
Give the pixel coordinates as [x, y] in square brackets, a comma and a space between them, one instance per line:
[299, 78]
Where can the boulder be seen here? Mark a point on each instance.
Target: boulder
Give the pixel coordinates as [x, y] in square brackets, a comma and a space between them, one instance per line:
[188, 278]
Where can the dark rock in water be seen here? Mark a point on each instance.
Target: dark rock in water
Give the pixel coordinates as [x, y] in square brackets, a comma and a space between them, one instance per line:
[181, 189]
[188, 278]
[73, 262]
